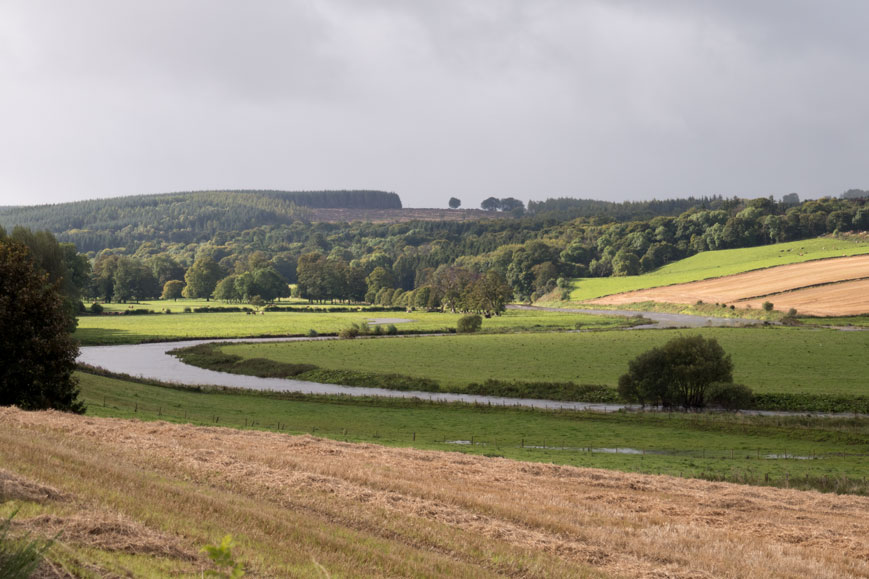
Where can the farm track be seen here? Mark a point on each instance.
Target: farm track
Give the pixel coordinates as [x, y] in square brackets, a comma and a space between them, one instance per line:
[465, 512]
[825, 287]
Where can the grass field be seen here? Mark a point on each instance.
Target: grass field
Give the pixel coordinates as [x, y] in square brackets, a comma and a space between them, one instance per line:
[855, 321]
[701, 444]
[177, 306]
[94, 330]
[765, 359]
[710, 264]
[140, 499]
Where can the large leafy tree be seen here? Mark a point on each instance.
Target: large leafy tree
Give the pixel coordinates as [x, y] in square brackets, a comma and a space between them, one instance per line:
[37, 353]
[202, 278]
[676, 374]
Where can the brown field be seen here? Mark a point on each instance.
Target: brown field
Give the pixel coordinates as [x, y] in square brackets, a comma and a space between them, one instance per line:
[402, 215]
[139, 499]
[824, 288]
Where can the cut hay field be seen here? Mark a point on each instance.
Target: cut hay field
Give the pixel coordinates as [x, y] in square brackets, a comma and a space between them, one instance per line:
[711, 264]
[830, 287]
[765, 359]
[141, 499]
[95, 330]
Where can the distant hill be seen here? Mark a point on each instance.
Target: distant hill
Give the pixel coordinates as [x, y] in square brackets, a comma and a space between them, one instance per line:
[183, 217]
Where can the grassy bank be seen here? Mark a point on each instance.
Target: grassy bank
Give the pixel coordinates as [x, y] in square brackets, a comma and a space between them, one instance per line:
[693, 445]
[768, 360]
[95, 330]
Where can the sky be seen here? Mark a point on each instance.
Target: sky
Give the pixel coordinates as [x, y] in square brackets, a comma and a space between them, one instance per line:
[432, 99]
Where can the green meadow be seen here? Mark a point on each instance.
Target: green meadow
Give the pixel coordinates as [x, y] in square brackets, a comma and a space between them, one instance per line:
[121, 329]
[765, 359]
[709, 264]
[686, 444]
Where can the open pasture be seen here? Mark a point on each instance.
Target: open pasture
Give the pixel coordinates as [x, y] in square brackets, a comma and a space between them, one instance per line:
[711, 264]
[94, 330]
[304, 506]
[178, 306]
[826, 287]
[765, 359]
[686, 444]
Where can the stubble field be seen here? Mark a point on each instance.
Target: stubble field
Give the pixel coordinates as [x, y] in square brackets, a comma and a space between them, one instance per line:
[302, 506]
[830, 287]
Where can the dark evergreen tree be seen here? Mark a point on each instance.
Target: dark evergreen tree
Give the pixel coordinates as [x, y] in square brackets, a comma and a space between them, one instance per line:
[37, 353]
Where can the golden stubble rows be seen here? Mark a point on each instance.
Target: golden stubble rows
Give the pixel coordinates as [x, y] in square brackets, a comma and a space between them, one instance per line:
[787, 286]
[621, 524]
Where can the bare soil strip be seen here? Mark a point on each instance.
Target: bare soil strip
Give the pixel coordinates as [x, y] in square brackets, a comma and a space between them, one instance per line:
[451, 514]
[849, 298]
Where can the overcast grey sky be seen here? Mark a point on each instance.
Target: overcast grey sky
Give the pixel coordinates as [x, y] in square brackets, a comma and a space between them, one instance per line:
[607, 99]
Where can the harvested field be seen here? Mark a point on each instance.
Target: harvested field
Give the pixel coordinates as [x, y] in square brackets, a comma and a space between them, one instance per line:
[848, 298]
[402, 215]
[298, 505]
[826, 287]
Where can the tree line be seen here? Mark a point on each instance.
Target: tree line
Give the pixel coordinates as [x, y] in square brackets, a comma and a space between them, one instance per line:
[534, 254]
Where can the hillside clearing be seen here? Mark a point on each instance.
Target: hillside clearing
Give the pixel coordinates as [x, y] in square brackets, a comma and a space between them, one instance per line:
[753, 288]
[300, 505]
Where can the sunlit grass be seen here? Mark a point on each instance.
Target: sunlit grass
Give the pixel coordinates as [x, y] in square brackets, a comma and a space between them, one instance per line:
[765, 359]
[133, 329]
[710, 264]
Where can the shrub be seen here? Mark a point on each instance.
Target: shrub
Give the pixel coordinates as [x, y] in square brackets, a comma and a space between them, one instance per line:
[767, 306]
[391, 330]
[469, 324]
[312, 333]
[96, 308]
[676, 374]
[349, 332]
[19, 558]
[728, 396]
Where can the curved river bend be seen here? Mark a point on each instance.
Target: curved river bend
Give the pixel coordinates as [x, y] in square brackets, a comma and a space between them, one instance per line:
[151, 361]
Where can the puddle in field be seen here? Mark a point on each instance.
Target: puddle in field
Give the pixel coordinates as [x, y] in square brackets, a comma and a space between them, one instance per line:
[634, 451]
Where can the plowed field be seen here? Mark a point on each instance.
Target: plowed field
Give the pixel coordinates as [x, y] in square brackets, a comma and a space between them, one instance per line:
[825, 287]
[302, 506]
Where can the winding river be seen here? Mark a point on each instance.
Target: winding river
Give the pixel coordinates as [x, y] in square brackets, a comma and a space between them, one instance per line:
[152, 361]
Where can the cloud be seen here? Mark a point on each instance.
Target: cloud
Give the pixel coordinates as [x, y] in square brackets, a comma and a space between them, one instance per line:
[609, 99]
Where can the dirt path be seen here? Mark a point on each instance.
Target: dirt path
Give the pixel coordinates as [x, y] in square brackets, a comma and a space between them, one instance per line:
[755, 287]
[620, 524]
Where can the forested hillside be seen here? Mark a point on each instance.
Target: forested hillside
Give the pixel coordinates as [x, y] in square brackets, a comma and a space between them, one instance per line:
[238, 246]
[181, 217]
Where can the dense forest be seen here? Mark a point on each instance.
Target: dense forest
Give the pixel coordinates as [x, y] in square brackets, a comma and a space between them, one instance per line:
[432, 264]
[181, 217]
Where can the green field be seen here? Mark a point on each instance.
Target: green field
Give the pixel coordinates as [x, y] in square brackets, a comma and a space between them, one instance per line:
[765, 359]
[112, 329]
[710, 264]
[691, 444]
[855, 321]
